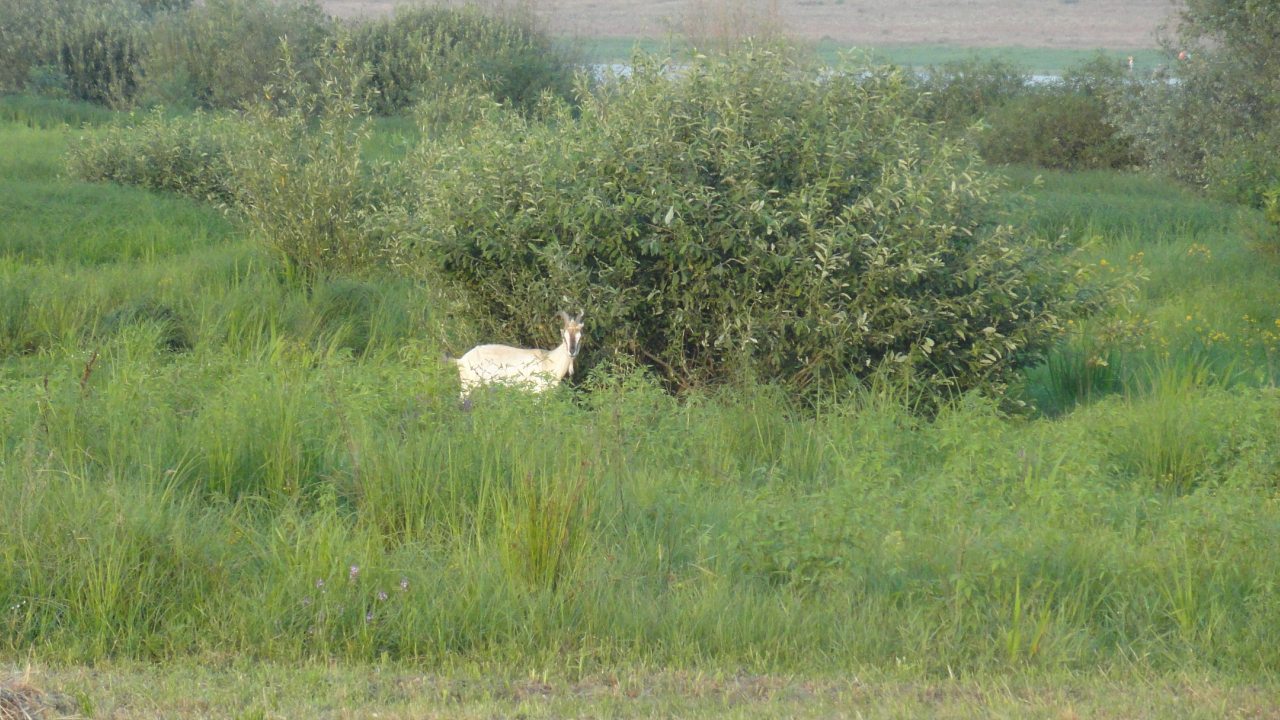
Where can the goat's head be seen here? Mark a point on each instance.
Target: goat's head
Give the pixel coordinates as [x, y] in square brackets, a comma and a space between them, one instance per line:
[572, 334]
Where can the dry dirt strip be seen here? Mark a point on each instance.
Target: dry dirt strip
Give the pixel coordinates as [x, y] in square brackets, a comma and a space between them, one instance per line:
[1078, 24]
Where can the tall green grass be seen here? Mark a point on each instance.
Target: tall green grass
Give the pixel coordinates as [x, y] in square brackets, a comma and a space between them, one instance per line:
[198, 458]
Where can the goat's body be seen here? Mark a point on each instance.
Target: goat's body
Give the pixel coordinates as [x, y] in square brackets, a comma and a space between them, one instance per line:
[526, 368]
[532, 369]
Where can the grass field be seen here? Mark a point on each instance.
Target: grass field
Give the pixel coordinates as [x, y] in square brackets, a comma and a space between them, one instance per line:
[227, 495]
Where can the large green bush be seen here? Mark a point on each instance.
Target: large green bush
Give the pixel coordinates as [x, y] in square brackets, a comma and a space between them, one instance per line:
[421, 51]
[747, 217]
[1057, 127]
[87, 49]
[218, 53]
[962, 92]
[221, 53]
[1216, 124]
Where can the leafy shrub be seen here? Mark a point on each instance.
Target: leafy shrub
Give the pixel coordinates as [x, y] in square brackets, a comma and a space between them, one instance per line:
[421, 50]
[747, 217]
[1271, 206]
[190, 155]
[962, 92]
[1056, 128]
[1216, 126]
[175, 52]
[28, 32]
[291, 167]
[222, 53]
[99, 59]
[86, 49]
[302, 183]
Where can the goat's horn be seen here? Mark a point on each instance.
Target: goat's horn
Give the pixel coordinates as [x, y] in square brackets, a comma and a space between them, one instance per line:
[564, 316]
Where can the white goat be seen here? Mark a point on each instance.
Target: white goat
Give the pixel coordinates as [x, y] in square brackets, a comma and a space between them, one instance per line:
[532, 369]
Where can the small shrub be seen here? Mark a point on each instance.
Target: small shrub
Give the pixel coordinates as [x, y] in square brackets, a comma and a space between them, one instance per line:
[1271, 206]
[1173, 439]
[302, 183]
[1076, 372]
[171, 329]
[85, 49]
[718, 25]
[188, 155]
[1245, 166]
[544, 523]
[744, 219]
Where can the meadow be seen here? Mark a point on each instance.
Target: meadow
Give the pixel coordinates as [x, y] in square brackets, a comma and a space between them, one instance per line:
[236, 484]
[203, 461]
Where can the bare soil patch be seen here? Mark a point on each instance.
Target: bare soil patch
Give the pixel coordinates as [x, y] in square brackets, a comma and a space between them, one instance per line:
[1072, 24]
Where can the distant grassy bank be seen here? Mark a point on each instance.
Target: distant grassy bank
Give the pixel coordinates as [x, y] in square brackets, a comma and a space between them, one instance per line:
[1038, 61]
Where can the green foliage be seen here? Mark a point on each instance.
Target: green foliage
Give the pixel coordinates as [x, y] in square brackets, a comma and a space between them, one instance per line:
[222, 53]
[422, 52]
[85, 49]
[1056, 128]
[544, 524]
[293, 169]
[1078, 371]
[42, 111]
[1215, 126]
[740, 219]
[1064, 124]
[302, 182]
[118, 52]
[98, 57]
[961, 92]
[1271, 206]
[191, 155]
[1169, 440]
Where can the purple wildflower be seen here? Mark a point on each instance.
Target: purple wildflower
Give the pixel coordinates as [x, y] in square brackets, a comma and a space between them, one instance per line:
[353, 573]
[382, 595]
[404, 584]
[320, 583]
[368, 617]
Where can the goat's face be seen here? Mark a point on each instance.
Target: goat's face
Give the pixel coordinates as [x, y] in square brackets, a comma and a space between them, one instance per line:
[572, 332]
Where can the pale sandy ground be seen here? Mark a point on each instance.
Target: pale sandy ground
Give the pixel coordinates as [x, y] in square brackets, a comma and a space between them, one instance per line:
[976, 23]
